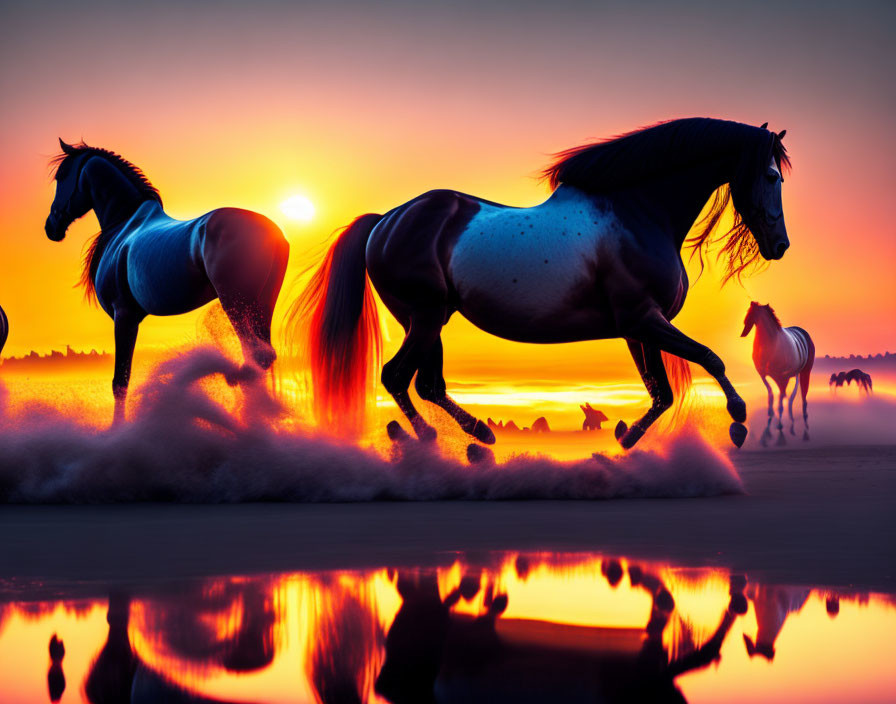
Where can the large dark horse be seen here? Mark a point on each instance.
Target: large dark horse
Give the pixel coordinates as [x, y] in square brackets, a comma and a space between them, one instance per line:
[144, 262]
[601, 258]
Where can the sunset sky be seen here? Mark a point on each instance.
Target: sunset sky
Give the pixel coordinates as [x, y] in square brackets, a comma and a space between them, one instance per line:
[361, 106]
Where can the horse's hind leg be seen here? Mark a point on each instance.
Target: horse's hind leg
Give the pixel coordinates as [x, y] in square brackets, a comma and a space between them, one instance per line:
[430, 385]
[804, 389]
[246, 261]
[422, 332]
[649, 362]
[796, 386]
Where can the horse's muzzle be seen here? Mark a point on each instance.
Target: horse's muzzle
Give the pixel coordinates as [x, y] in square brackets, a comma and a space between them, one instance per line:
[53, 230]
[779, 248]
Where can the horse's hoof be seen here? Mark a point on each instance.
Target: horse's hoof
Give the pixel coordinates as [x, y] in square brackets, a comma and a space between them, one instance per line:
[621, 427]
[664, 601]
[631, 437]
[425, 432]
[612, 571]
[766, 436]
[483, 433]
[244, 375]
[738, 433]
[782, 441]
[737, 409]
[738, 604]
[498, 606]
[477, 454]
[396, 433]
[805, 436]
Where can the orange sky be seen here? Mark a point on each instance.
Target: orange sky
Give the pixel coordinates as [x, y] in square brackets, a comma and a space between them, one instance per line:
[361, 109]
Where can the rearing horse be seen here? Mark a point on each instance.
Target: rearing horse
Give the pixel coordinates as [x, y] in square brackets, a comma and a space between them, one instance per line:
[144, 262]
[601, 258]
[783, 354]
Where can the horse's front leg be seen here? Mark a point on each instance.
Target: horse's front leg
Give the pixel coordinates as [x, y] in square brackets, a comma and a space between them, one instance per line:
[654, 329]
[796, 387]
[126, 325]
[649, 362]
[767, 433]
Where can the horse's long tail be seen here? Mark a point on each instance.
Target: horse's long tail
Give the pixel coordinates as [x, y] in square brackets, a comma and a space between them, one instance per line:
[335, 323]
[679, 372]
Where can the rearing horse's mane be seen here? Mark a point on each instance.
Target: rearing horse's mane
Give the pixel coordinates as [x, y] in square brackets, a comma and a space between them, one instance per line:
[654, 151]
[94, 246]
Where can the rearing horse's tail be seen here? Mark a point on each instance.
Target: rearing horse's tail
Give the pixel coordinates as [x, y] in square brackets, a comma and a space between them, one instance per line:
[679, 372]
[337, 318]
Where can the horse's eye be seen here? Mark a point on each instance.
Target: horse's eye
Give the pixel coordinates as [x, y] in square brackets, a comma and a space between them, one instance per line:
[771, 176]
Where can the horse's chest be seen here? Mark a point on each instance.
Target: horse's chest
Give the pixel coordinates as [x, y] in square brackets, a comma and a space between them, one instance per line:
[528, 262]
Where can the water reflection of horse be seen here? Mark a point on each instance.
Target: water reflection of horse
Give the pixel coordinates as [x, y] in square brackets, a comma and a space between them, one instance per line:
[436, 654]
[601, 258]
[144, 262]
[863, 380]
[772, 606]
[188, 625]
[783, 354]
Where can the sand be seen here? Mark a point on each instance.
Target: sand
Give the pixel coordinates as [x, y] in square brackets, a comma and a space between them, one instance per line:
[822, 517]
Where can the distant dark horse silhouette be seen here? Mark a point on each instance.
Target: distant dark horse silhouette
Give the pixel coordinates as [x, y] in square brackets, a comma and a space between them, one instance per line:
[143, 262]
[863, 380]
[601, 258]
[4, 328]
[783, 354]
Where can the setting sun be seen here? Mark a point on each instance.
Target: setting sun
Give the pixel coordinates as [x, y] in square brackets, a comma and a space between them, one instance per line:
[299, 208]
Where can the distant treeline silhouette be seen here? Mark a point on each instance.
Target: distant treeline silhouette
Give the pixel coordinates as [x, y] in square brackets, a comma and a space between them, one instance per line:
[69, 358]
[880, 362]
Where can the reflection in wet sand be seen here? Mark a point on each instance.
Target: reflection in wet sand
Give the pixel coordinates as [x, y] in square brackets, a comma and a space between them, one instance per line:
[511, 628]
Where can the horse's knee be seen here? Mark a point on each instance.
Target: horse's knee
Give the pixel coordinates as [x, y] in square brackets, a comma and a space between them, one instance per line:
[429, 390]
[392, 378]
[664, 400]
[713, 364]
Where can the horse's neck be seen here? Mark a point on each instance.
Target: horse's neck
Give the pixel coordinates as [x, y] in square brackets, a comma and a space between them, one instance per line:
[678, 198]
[766, 332]
[115, 198]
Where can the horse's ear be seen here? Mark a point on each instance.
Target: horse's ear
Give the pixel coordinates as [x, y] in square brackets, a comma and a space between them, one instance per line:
[66, 148]
[764, 125]
[781, 134]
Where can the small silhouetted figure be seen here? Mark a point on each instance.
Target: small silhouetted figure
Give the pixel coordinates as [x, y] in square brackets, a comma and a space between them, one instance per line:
[541, 425]
[55, 675]
[593, 417]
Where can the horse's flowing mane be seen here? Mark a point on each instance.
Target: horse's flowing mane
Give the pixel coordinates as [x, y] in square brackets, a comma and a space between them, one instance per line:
[770, 312]
[93, 248]
[654, 151]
